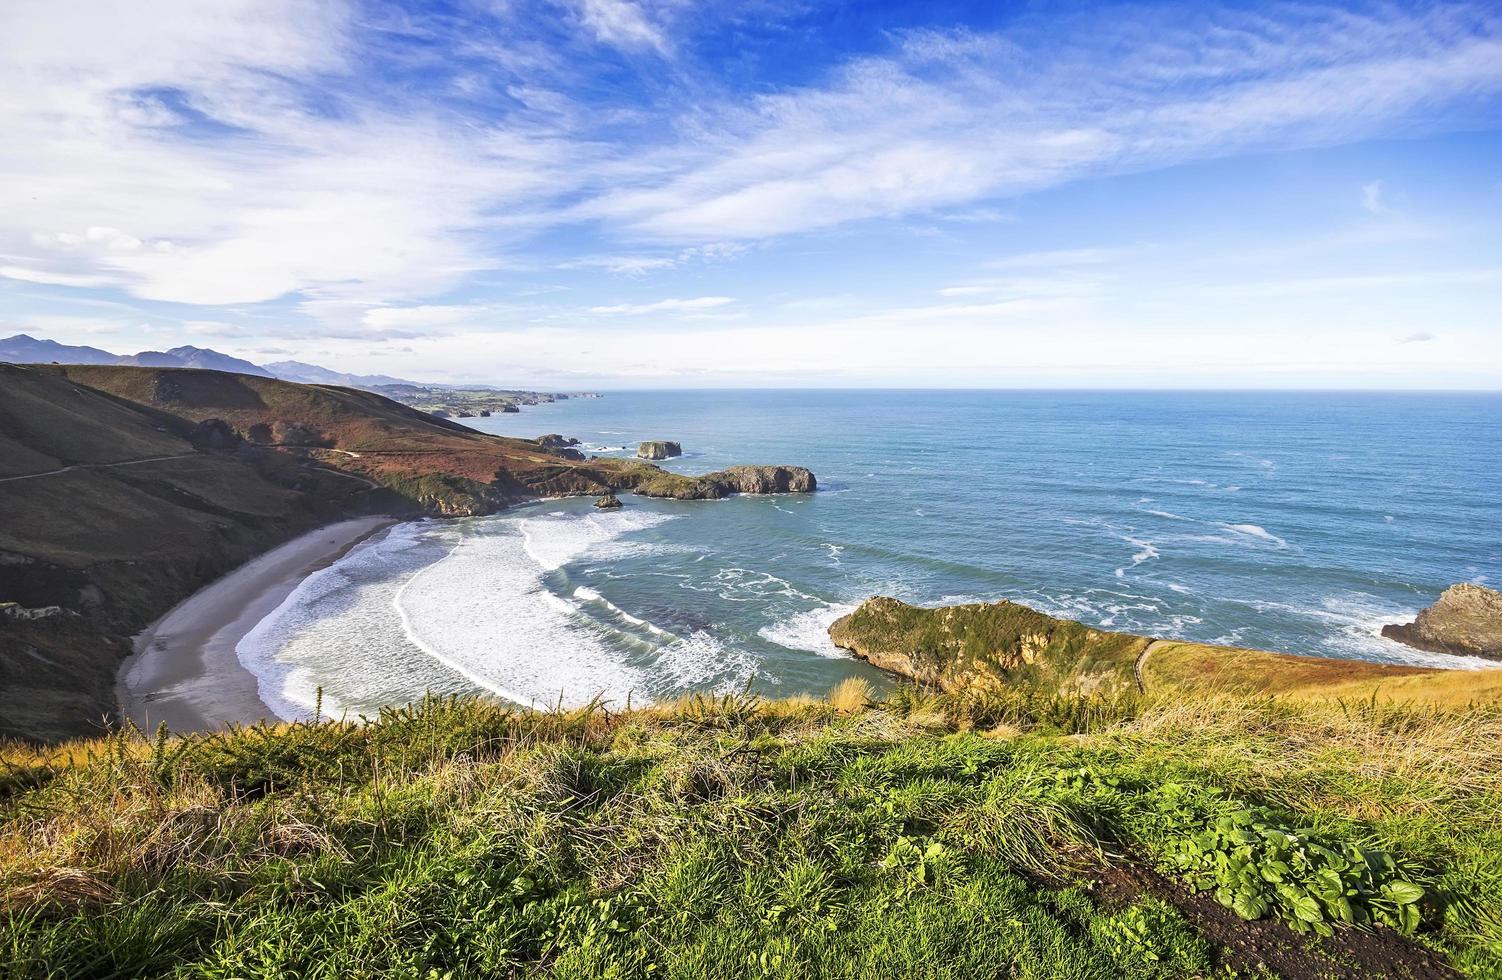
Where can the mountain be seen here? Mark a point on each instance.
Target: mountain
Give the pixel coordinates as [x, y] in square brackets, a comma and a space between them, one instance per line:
[24, 349]
[211, 360]
[313, 374]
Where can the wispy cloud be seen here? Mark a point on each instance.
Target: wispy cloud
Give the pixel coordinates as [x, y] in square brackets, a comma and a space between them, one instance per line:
[623, 24]
[956, 117]
[375, 171]
[695, 305]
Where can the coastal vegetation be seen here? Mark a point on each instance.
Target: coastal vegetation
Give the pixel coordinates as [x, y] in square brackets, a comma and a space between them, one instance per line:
[1004, 832]
[984, 646]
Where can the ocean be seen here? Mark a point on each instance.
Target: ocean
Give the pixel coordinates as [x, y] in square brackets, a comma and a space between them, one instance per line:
[1298, 522]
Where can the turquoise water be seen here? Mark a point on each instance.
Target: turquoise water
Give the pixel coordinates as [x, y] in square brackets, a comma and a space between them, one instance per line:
[1296, 522]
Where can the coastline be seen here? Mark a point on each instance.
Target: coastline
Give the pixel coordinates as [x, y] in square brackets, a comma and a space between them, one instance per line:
[185, 670]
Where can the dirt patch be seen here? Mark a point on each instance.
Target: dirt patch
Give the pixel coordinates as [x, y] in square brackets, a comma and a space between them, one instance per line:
[1268, 944]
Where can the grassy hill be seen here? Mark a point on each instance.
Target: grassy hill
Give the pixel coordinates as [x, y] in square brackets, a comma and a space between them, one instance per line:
[1014, 833]
[110, 512]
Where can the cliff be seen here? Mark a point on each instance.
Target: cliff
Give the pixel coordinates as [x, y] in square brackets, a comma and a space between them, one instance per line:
[984, 646]
[1467, 619]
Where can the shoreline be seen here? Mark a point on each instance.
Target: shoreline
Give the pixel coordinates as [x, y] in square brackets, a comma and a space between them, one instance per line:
[185, 670]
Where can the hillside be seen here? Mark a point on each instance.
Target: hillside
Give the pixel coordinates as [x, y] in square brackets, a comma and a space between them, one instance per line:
[989, 646]
[110, 511]
[442, 465]
[1015, 835]
[123, 489]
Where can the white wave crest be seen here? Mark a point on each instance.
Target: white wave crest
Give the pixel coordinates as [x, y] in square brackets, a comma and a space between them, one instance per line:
[809, 630]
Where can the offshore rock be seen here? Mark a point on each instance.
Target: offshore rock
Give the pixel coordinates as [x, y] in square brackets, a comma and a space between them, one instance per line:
[658, 449]
[608, 502]
[1466, 619]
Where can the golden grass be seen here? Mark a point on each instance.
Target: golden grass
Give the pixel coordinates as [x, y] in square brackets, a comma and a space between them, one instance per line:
[851, 695]
[1205, 670]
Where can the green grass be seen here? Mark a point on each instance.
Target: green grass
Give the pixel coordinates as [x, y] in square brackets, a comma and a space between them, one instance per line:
[926, 836]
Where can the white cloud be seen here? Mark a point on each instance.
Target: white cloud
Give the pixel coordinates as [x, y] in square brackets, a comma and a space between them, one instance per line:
[694, 305]
[952, 118]
[1371, 198]
[109, 178]
[622, 24]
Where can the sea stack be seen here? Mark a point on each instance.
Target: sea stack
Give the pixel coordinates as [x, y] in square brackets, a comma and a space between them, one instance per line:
[609, 502]
[1466, 619]
[658, 449]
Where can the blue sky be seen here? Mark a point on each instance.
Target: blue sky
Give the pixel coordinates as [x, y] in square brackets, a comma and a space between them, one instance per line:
[647, 193]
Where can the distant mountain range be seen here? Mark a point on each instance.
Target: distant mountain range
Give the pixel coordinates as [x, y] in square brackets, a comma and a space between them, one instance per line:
[24, 349]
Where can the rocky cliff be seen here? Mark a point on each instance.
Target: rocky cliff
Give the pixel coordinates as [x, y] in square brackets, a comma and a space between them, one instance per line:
[1467, 619]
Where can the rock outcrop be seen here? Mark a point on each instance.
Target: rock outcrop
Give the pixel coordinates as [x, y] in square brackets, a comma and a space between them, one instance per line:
[609, 502]
[650, 481]
[560, 446]
[768, 479]
[658, 449]
[1467, 620]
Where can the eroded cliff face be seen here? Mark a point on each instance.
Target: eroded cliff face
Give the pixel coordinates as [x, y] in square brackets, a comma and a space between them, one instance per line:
[1466, 619]
[987, 645]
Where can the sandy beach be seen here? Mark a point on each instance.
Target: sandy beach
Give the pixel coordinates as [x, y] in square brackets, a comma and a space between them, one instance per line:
[185, 670]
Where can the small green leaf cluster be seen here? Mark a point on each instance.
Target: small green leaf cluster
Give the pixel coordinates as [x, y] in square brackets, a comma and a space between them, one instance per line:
[1255, 863]
[919, 863]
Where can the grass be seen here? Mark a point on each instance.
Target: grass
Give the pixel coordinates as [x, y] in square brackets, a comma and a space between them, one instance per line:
[925, 836]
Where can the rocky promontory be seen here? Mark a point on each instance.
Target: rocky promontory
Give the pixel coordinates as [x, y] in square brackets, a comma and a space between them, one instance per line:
[989, 646]
[984, 645]
[658, 449]
[1466, 619]
[653, 482]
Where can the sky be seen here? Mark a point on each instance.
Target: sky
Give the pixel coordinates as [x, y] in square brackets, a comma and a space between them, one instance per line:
[765, 193]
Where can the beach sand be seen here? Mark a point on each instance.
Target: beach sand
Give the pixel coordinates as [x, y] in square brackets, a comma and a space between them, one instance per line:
[185, 670]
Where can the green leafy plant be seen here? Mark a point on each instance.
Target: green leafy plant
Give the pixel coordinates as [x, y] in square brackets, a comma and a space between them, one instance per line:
[920, 863]
[1255, 864]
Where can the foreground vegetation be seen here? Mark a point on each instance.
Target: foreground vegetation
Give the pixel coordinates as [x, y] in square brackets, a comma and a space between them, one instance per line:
[1005, 834]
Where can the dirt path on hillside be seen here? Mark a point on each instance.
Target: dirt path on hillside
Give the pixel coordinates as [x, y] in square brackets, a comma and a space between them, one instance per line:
[95, 466]
[1142, 662]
